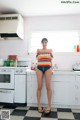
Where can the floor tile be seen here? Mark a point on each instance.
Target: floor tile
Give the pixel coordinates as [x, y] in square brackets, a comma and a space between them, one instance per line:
[12, 117]
[19, 112]
[67, 119]
[33, 108]
[1, 106]
[32, 113]
[48, 119]
[11, 110]
[9, 106]
[65, 115]
[31, 118]
[51, 115]
[76, 116]
[54, 109]
[63, 110]
[76, 110]
[23, 108]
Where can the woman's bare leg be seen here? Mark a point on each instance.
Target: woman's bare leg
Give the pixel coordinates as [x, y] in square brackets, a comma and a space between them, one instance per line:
[39, 88]
[48, 75]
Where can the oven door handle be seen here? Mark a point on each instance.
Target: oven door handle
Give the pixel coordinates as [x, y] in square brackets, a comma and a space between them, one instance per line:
[2, 91]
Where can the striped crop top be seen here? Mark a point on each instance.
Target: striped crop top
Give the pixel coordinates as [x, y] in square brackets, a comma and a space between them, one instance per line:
[44, 58]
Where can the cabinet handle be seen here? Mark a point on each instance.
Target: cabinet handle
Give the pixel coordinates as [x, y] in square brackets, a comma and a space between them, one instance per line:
[1, 91]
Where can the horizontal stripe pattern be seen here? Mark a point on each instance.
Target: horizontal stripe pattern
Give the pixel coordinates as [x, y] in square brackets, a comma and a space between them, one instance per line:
[44, 58]
[43, 64]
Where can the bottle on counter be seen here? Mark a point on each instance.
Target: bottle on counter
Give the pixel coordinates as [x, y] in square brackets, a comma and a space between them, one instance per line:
[32, 66]
[35, 66]
[13, 63]
[7, 62]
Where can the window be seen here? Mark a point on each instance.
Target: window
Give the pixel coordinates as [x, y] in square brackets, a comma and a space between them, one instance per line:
[59, 41]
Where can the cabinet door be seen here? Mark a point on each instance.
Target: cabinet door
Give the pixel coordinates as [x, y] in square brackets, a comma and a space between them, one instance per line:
[63, 90]
[20, 88]
[44, 99]
[6, 96]
[29, 89]
[34, 90]
[77, 86]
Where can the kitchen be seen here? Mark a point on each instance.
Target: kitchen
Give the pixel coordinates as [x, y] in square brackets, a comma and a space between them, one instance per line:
[42, 21]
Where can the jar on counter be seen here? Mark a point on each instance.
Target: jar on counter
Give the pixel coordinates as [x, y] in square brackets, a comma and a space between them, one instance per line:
[32, 66]
[13, 63]
[7, 62]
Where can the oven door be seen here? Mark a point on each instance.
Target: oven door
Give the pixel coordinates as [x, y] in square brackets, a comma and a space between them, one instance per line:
[7, 78]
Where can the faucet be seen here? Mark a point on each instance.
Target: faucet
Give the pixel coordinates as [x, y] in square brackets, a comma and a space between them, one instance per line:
[55, 67]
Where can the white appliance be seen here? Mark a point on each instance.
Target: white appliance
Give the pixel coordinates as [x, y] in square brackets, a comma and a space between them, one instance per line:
[13, 85]
[6, 96]
[6, 78]
[11, 26]
[20, 85]
[6, 85]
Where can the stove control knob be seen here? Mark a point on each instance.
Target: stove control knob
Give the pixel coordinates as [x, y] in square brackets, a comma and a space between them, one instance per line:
[21, 71]
[3, 70]
[17, 71]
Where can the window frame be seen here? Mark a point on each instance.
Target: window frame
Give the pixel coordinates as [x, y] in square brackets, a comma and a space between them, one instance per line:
[76, 31]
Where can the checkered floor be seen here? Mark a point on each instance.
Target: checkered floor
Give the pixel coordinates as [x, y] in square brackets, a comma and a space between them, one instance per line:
[31, 113]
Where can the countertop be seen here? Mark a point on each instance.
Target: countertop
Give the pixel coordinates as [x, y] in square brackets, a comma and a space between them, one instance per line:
[29, 71]
[70, 72]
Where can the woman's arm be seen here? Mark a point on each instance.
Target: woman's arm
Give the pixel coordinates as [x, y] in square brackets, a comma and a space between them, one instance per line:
[37, 53]
[52, 59]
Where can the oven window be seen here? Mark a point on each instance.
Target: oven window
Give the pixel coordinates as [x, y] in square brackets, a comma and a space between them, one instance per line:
[4, 78]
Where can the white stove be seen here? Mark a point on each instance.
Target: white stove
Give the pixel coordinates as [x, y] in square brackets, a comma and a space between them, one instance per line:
[13, 84]
[20, 70]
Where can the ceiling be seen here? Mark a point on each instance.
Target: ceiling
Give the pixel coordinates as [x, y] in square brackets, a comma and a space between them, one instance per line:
[40, 7]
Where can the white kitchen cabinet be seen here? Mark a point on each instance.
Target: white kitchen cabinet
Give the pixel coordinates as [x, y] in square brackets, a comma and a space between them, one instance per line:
[6, 96]
[29, 89]
[32, 90]
[77, 90]
[20, 89]
[63, 90]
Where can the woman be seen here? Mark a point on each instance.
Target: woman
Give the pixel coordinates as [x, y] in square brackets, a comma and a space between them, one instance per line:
[44, 64]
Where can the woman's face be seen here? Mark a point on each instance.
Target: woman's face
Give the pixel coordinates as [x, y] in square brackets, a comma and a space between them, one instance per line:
[44, 43]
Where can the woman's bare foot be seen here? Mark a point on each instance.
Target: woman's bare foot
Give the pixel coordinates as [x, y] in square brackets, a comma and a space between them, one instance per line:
[47, 110]
[40, 109]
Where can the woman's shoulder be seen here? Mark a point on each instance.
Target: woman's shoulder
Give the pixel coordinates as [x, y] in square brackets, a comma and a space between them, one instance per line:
[39, 50]
[50, 50]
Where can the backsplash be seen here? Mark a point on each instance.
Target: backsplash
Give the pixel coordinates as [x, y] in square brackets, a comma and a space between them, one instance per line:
[61, 61]
[64, 61]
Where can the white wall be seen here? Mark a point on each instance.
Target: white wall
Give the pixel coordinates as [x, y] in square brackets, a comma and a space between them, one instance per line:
[68, 22]
[20, 47]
